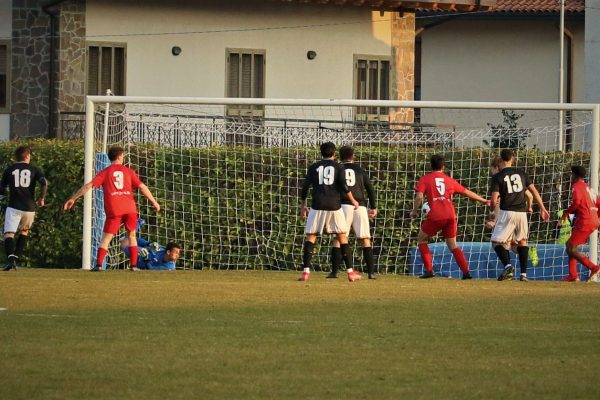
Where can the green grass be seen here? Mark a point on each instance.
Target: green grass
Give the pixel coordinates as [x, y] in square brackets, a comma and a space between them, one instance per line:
[262, 335]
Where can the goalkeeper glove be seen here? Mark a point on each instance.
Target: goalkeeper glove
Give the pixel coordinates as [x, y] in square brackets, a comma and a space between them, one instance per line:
[143, 253]
[155, 246]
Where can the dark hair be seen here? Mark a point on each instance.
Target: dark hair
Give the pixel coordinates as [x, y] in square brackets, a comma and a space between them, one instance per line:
[507, 154]
[346, 153]
[496, 161]
[114, 152]
[579, 171]
[327, 149]
[21, 152]
[437, 162]
[172, 245]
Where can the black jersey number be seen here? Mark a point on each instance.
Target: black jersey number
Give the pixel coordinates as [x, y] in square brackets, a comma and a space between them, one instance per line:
[350, 177]
[514, 184]
[22, 177]
[326, 175]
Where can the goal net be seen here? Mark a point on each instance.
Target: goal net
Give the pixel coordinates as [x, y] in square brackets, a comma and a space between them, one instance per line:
[227, 173]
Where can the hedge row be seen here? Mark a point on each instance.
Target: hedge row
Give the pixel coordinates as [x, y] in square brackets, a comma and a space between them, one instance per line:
[237, 207]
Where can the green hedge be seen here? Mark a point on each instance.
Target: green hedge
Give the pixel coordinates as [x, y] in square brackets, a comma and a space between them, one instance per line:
[237, 207]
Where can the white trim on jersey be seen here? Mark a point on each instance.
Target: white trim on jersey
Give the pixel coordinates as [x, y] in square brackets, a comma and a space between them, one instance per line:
[17, 220]
[334, 221]
[511, 226]
[358, 220]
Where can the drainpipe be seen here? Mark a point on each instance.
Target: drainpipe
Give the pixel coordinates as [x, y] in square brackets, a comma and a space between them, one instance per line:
[53, 12]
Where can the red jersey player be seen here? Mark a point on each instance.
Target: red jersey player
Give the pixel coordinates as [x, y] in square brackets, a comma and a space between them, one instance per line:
[118, 182]
[586, 222]
[439, 188]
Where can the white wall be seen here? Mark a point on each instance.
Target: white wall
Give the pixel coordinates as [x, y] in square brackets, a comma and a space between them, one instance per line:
[592, 50]
[5, 34]
[200, 69]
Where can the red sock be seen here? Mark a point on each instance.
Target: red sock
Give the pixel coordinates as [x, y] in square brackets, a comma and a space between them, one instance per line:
[459, 256]
[101, 256]
[573, 268]
[426, 257]
[133, 256]
[586, 261]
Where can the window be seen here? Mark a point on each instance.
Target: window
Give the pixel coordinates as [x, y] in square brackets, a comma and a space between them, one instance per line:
[372, 82]
[106, 68]
[245, 78]
[4, 76]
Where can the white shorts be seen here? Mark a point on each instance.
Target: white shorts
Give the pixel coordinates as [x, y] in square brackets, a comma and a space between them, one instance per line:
[511, 226]
[358, 220]
[17, 220]
[333, 221]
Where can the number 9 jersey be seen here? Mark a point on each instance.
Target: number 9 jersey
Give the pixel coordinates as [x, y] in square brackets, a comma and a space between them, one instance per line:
[511, 183]
[118, 182]
[439, 188]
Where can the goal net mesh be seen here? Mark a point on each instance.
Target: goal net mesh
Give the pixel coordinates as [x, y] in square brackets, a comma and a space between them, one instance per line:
[228, 179]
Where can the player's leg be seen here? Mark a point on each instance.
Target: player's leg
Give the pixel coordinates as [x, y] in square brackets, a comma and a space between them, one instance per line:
[12, 219]
[501, 239]
[337, 224]
[362, 230]
[131, 221]
[24, 228]
[428, 230]
[367, 251]
[336, 258]
[314, 226]
[521, 234]
[111, 227]
[449, 231]
[579, 237]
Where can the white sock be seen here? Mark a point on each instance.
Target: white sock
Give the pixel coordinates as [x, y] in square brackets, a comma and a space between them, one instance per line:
[349, 270]
[307, 270]
[523, 274]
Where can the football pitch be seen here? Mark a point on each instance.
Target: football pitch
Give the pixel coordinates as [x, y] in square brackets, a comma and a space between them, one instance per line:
[70, 334]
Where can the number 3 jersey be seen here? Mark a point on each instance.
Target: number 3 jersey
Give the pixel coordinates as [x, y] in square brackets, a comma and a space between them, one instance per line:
[21, 178]
[439, 188]
[583, 205]
[328, 182]
[118, 182]
[511, 183]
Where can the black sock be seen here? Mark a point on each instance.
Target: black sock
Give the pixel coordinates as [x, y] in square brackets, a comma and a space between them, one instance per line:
[21, 243]
[523, 252]
[9, 246]
[347, 255]
[503, 254]
[336, 260]
[368, 256]
[307, 251]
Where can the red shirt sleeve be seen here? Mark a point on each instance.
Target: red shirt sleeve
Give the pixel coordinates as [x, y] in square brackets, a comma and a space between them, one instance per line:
[99, 179]
[575, 202]
[420, 186]
[458, 188]
[135, 180]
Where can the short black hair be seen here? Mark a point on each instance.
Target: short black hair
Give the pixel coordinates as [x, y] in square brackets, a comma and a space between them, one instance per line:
[507, 154]
[22, 152]
[172, 245]
[579, 171]
[328, 149]
[496, 161]
[346, 153]
[437, 162]
[114, 152]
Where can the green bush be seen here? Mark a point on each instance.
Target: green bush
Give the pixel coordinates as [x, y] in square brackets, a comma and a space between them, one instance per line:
[237, 207]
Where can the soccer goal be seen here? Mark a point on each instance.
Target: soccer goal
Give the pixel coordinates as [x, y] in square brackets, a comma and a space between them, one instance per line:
[227, 173]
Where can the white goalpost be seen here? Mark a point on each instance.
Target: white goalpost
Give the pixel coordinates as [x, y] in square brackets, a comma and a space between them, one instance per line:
[227, 172]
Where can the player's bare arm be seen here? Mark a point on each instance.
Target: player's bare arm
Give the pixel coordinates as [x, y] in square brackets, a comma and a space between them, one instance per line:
[146, 192]
[529, 198]
[303, 209]
[82, 190]
[538, 200]
[41, 201]
[494, 200]
[417, 203]
[372, 213]
[352, 200]
[476, 197]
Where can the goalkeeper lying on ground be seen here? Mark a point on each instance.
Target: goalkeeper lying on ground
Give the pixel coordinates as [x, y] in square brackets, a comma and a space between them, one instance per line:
[153, 256]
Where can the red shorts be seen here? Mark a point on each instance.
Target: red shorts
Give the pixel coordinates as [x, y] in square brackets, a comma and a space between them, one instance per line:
[580, 235]
[449, 227]
[113, 224]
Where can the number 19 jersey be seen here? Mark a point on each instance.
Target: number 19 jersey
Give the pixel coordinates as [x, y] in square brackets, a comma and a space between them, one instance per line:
[329, 183]
[118, 182]
[511, 183]
[439, 188]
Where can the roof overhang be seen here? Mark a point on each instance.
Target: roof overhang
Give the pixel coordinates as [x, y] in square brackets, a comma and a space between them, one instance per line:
[397, 5]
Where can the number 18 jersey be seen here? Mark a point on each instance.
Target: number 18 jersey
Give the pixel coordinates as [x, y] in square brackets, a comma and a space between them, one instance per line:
[439, 188]
[118, 182]
[511, 183]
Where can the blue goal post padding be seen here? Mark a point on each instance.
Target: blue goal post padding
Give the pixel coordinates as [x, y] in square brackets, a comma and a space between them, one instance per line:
[483, 263]
[98, 216]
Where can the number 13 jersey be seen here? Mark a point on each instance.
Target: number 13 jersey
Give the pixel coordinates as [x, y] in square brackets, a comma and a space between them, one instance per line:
[118, 183]
[511, 183]
[439, 188]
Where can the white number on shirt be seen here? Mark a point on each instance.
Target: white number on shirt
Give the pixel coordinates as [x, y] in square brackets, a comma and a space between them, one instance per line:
[440, 185]
[326, 175]
[350, 177]
[119, 182]
[22, 177]
[513, 183]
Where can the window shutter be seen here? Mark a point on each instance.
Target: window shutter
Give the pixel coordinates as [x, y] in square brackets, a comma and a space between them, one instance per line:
[246, 75]
[259, 81]
[119, 72]
[93, 70]
[234, 75]
[3, 59]
[106, 72]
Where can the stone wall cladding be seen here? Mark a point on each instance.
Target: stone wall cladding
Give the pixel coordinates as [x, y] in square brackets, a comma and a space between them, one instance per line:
[72, 57]
[30, 69]
[403, 63]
